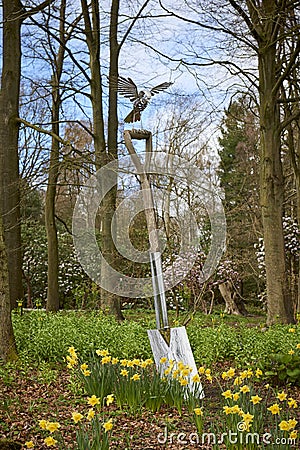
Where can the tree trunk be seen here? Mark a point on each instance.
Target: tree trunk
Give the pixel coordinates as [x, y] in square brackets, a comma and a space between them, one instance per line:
[102, 157]
[109, 202]
[8, 351]
[52, 241]
[9, 133]
[232, 304]
[272, 188]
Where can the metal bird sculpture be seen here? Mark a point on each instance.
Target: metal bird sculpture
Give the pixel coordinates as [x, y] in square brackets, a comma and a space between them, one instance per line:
[140, 99]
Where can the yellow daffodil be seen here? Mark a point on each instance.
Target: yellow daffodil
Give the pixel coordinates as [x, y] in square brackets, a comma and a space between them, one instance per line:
[245, 426]
[175, 373]
[84, 366]
[86, 373]
[258, 373]
[149, 361]
[183, 381]
[123, 362]
[180, 365]
[43, 424]
[70, 365]
[244, 374]
[267, 386]
[207, 372]
[231, 372]
[76, 416]
[255, 399]
[72, 361]
[50, 442]
[291, 352]
[185, 372]
[292, 330]
[247, 417]
[93, 400]
[281, 396]
[249, 373]
[29, 444]
[52, 426]
[163, 360]
[109, 399]
[136, 362]
[275, 409]
[196, 378]
[102, 352]
[135, 377]
[227, 410]
[284, 426]
[108, 425]
[90, 414]
[106, 359]
[298, 346]
[124, 372]
[292, 403]
[237, 381]
[227, 394]
[198, 411]
[209, 378]
[235, 409]
[143, 364]
[292, 423]
[293, 434]
[130, 363]
[72, 351]
[236, 396]
[201, 370]
[244, 389]
[115, 361]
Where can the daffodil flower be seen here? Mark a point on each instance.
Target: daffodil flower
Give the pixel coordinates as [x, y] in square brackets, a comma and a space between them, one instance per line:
[109, 399]
[108, 425]
[93, 400]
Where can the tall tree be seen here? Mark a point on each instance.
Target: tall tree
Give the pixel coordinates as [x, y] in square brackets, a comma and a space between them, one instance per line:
[58, 61]
[9, 131]
[102, 154]
[13, 15]
[239, 177]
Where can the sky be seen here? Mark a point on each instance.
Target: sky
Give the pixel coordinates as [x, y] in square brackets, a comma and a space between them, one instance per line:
[172, 38]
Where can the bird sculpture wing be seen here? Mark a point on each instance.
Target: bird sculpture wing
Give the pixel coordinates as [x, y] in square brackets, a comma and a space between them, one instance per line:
[160, 87]
[127, 88]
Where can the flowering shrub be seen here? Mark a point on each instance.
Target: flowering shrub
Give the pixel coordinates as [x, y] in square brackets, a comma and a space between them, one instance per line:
[292, 249]
[73, 282]
[190, 291]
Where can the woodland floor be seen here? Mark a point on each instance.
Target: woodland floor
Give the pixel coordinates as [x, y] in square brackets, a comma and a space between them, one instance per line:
[27, 397]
